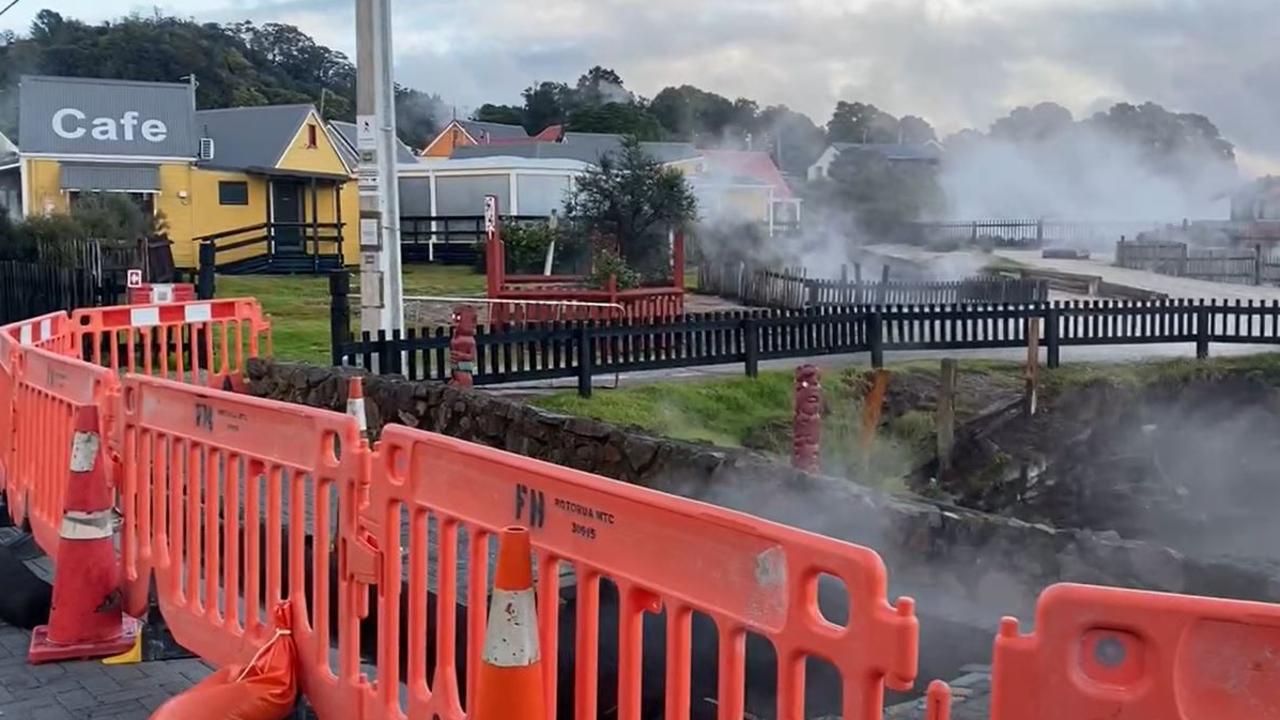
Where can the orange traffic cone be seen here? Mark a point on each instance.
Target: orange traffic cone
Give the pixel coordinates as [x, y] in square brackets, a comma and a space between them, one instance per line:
[355, 405]
[86, 619]
[510, 684]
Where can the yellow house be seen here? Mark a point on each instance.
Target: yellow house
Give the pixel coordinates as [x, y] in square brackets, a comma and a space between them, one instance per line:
[269, 187]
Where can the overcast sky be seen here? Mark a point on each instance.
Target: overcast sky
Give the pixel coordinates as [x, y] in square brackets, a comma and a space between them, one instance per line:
[959, 63]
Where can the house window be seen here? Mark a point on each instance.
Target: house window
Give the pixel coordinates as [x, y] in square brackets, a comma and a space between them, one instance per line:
[311, 136]
[145, 201]
[233, 193]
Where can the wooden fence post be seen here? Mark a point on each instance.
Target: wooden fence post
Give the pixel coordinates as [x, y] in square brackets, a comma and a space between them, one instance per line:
[1257, 264]
[872, 406]
[884, 284]
[339, 313]
[206, 281]
[1202, 332]
[751, 341]
[946, 417]
[1033, 366]
[1053, 345]
[875, 337]
[585, 356]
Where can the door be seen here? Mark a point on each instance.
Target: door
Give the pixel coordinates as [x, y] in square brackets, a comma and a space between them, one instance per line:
[287, 208]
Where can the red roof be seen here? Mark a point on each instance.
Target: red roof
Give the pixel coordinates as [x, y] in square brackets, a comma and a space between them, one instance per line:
[553, 133]
[755, 164]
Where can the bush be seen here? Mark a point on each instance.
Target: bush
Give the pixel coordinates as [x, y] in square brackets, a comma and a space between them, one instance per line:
[608, 263]
[527, 245]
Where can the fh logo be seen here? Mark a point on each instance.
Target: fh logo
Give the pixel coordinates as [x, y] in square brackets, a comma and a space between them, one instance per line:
[535, 502]
[204, 416]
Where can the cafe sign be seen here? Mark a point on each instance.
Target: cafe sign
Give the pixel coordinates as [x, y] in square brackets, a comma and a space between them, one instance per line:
[79, 116]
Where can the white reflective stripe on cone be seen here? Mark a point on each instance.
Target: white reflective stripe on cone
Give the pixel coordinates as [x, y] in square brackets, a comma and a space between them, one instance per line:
[355, 408]
[77, 525]
[84, 451]
[512, 637]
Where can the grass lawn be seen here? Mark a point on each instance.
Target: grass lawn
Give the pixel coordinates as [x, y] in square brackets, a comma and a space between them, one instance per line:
[299, 304]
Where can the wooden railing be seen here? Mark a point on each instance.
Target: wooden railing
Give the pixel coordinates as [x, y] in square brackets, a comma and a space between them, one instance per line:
[316, 240]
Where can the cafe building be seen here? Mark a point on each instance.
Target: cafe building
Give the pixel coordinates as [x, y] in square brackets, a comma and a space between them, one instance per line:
[267, 186]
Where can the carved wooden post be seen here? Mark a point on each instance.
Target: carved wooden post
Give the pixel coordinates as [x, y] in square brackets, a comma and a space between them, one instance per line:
[807, 426]
[462, 347]
[946, 418]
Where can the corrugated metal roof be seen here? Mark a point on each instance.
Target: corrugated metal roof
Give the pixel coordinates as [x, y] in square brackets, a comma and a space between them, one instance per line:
[110, 177]
[347, 147]
[584, 147]
[84, 116]
[480, 131]
[248, 137]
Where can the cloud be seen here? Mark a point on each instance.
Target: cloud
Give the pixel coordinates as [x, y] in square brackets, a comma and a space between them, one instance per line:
[959, 63]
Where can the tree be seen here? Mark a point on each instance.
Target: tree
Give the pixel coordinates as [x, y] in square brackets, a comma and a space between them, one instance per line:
[793, 140]
[545, 104]
[881, 195]
[1035, 124]
[861, 123]
[633, 198]
[913, 129]
[1166, 137]
[693, 115]
[237, 64]
[618, 118]
[601, 85]
[502, 114]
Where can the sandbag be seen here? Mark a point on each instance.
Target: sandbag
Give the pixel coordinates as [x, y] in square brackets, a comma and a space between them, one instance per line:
[265, 688]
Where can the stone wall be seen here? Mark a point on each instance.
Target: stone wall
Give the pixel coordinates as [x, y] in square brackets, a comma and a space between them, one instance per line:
[957, 563]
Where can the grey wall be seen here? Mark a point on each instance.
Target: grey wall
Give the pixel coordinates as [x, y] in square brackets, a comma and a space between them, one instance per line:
[415, 196]
[540, 194]
[464, 195]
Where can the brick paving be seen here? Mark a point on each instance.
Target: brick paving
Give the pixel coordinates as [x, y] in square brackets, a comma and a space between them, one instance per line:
[85, 690]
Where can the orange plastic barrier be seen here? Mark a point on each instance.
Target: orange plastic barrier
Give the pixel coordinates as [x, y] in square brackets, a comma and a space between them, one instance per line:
[747, 574]
[1130, 655]
[48, 332]
[234, 502]
[47, 390]
[203, 343]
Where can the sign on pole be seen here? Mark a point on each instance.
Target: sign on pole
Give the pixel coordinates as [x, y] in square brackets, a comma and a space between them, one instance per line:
[366, 134]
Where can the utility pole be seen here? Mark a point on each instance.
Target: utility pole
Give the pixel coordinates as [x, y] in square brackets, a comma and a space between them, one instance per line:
[381, 296]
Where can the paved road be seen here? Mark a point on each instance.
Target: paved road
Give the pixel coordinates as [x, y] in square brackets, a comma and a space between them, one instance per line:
[85, 690]
[1105, 354]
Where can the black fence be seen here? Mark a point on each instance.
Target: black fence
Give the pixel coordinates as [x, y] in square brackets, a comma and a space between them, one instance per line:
[1025, 233]
[31, 289]
[1240, 265]
[793, 289]
[582, 350]
[448, 240]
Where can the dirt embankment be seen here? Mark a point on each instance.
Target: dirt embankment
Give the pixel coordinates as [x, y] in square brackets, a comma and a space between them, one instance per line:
[1186, 462]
